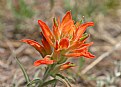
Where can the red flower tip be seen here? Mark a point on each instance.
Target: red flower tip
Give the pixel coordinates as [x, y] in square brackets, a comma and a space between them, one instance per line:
[67, 65]
[46, 60]
[88, 24]
[36, 45]
[67, 17]
[64, 43]
[46, 32]
[81, 29]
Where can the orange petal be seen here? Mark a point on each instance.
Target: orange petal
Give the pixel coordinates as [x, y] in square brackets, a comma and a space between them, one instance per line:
[75, 45]
[46, 45]
[74, 55]
[66, 18]
[46, 32]
[36, 45]
[82, 47]
[67, 65]
[64, 43]
[67, 28]
[88, 55]
[80, 52]
[56, 32]
[45, 60]
[85, 54]
[81, 30]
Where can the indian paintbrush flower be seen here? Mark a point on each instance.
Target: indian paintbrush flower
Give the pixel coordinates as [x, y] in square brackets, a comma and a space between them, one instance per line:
[66, 40]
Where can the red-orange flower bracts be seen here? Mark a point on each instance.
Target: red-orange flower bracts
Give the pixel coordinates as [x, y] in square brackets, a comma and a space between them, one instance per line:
[66, 40]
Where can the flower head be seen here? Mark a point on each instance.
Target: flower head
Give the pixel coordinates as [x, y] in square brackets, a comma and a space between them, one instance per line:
[66, 40]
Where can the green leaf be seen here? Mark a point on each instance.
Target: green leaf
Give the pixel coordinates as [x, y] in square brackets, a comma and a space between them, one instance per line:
[84, 36]
[63, 79]
[60, 76]
[35, 81]
[48, 82]
[23, 70]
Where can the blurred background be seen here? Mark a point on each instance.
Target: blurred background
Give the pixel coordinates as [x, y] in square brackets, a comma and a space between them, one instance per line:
[18, 20]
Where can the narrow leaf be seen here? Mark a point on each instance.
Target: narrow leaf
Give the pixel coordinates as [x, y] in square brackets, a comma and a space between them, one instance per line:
[48, 82]
[63, 80]
[35, 81]
[23, 70]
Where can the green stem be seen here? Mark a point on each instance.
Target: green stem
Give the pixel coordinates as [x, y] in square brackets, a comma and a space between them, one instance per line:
[47, 73]
[54, 85]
